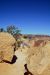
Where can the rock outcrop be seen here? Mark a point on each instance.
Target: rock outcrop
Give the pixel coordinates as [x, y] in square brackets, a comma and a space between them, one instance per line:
[7, 46]
[33, 56]
[39, 57]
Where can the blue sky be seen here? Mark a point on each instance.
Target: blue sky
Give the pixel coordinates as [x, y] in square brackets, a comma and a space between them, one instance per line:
[31, 16]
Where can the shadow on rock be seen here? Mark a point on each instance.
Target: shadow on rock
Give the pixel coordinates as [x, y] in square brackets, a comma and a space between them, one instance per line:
[13, 60]
[27, 71]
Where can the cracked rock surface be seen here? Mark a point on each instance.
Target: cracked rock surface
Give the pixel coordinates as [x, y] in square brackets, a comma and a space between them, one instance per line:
[29, 60]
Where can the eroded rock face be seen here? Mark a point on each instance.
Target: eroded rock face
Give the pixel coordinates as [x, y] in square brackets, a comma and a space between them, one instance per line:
[7, 46]
[33, 57]
[39, 57]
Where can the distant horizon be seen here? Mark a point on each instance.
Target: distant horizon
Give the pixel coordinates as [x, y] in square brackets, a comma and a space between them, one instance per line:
[28, 33]
[37, 34]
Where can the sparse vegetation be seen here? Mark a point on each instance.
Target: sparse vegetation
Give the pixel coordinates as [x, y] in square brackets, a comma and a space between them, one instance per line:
[13, 30]
[2, 30]
[29, 49]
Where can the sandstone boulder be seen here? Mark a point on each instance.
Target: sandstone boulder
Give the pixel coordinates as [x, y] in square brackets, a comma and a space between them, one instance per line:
[39, 58]
[7, 46]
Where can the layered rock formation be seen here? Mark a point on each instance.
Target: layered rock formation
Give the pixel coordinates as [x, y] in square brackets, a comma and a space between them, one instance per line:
[39, 57]
[33, 56]
[7, 46]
